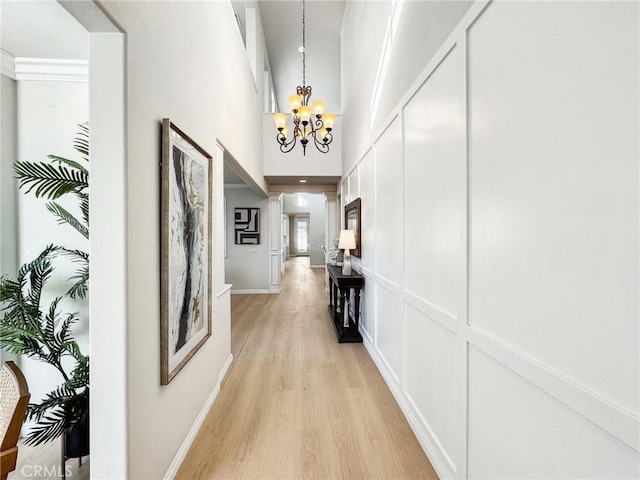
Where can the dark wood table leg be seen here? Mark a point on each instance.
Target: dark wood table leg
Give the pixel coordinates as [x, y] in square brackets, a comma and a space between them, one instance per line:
[342, 310]
[356, 309]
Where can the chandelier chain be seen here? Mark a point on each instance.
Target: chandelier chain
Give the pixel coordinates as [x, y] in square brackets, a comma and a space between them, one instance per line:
[309, 122]
[304, 48]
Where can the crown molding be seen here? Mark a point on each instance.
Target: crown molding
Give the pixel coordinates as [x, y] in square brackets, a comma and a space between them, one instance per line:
[7, 64]
[51, 70]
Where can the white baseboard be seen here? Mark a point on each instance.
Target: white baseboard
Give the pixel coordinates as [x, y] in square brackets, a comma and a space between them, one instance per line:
[186, 444]
[250, 291]
[275, 290]
[436, 456]
[316, 266]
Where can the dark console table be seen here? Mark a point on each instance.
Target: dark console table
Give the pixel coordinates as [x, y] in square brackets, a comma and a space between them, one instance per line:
[340, 287]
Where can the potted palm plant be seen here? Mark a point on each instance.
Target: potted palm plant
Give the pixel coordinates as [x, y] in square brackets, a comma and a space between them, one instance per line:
[42, 332]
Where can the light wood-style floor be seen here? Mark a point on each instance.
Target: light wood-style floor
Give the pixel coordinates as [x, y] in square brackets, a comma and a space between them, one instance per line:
[296, 404]
[43, 462]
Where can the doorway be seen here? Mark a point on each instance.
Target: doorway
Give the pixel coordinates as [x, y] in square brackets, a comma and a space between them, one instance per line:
[301, 235]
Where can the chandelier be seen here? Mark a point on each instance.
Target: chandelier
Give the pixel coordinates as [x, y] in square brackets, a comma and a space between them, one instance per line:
[309, 122]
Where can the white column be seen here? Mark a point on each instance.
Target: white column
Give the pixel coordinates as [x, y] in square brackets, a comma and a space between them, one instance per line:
[331, 229]
[108, 291]
[275, 241]
[219, 219]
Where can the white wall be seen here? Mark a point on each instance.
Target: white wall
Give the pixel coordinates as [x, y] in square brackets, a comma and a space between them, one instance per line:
[313, 205]
[48, 114]
[8, 185]
[509, 173]
[247, 266]
[183, 60]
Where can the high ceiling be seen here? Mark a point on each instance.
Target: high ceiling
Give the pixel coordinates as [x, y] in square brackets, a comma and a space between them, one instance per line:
[42, 29]
[282, 21]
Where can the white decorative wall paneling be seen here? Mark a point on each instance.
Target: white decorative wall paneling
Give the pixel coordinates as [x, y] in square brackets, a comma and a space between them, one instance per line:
[500, 232]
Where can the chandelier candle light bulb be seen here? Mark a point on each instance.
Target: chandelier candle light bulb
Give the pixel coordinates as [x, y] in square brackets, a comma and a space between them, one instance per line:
[304, 127]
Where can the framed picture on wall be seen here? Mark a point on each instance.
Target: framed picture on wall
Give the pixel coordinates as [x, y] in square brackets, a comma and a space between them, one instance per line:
[247, 226]
[186, 206]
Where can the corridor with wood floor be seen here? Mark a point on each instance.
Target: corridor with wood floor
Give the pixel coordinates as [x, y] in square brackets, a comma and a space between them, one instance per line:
[296, 404]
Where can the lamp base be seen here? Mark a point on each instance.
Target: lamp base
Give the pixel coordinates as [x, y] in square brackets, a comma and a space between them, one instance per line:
[346, 265]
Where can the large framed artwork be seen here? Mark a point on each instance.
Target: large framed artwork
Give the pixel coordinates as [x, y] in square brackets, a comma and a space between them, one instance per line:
[186, 203]
[247, 226]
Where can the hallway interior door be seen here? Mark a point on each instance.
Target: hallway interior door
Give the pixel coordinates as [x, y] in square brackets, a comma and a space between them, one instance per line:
[301, 235]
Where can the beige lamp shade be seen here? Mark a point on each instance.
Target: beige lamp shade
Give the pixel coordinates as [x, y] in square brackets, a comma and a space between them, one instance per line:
[295, 101]
[305, 113]
[347, 240]
[329, 119]
[318, 107]
[280, 119]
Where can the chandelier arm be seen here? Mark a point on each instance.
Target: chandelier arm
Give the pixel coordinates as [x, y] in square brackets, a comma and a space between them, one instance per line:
[285, 147]
[329, 138]
[321, 146]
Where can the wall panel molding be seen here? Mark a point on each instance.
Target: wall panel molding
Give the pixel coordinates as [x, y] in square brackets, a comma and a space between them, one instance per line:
[620, 423]
[445, 319]
[438, 459]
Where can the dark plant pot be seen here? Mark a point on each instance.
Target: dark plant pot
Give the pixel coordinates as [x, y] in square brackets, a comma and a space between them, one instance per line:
[77, 441]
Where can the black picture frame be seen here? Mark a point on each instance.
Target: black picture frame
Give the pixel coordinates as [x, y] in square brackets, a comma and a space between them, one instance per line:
[247, 226]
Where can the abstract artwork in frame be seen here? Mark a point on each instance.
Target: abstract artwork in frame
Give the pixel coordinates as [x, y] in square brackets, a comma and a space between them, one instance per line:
[247, 226]
[186, 203]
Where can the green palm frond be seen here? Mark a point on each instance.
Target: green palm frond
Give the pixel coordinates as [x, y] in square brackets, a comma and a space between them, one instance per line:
[84, 207]
[80, 375]
[49, 427]
[53, 399]
[38, 272]
[20, 298]
[64, 216]
[70, 163]
[81, 141]
[20, 340]
[80, 287]
[76, 256]
[50, 181]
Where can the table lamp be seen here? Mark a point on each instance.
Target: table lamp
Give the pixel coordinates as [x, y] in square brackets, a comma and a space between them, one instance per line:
[347, 242]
